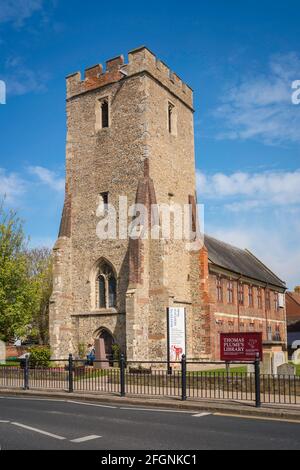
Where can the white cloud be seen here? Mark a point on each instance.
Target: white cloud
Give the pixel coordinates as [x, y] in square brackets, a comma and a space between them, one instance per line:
[48, 177]
[277, 247]
[20, 79]
[260, 106]
[11, 186]
[243, 190]
[259, 211]
[16, 11]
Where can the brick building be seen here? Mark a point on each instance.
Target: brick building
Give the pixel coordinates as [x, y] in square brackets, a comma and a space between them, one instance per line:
[240, 294]
[293, 316]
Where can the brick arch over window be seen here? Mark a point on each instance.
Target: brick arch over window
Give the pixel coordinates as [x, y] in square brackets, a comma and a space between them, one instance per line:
[103, 286]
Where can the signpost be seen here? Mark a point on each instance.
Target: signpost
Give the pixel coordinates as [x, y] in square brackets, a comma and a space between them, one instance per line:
[241, 347]
[176, 334]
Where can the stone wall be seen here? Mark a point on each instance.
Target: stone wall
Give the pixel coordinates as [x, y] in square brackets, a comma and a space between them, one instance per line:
[137, 157]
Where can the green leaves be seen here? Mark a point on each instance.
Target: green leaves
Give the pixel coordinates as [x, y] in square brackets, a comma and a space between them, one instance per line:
[25, 282]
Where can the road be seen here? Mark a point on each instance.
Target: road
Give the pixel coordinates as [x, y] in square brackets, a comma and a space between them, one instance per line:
[40, 424]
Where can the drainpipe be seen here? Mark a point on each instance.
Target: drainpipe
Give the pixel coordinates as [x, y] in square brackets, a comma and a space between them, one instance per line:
[266, 314]
[238, 301]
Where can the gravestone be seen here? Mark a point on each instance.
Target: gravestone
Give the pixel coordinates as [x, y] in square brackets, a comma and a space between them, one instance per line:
[286, 369]
[2, 352]
[279, 358]
[100, 355]
[296, 357]
[266, 366]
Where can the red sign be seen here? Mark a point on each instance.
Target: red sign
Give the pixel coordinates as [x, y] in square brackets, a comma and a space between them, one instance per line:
[241, 347]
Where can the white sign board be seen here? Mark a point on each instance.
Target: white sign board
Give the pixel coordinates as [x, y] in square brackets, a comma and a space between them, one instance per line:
[177, 333]
[281, 300]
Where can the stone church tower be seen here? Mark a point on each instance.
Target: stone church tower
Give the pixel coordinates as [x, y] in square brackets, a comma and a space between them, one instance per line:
[129, 133]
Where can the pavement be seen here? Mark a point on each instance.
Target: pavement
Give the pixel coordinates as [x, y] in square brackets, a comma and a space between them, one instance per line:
[34, 423]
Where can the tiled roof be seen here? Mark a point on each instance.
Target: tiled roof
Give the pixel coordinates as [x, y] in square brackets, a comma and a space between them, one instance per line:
[240, 262]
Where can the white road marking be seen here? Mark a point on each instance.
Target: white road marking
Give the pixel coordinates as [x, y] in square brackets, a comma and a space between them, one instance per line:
[33, 399]
[58, 401]
[91, 404]
[155, 410]
[202, 415]
[258, 418]
[54, 436]
[4, 422]
[85, 439]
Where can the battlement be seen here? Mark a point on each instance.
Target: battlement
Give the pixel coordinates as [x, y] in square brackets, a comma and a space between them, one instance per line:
[139, 60]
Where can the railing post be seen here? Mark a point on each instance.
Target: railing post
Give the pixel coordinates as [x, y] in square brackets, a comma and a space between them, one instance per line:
[70, 374]
[122, 375]
[257, 383]
[183, 378]
[26, 372]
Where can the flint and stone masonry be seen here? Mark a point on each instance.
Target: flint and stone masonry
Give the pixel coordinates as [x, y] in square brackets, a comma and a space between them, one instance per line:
[145, 151]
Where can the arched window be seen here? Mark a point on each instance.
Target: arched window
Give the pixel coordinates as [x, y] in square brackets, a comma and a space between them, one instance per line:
[105, 114]
[112, 289]
[106, 287]
[102, 291]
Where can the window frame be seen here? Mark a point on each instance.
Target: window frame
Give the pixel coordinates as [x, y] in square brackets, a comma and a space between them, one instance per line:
[259, 298]
[230, 292]
[276, 301]
[219, 285]
[172, 119]
[99, 113]
[250, 296]
[241, 294]
[105, 290]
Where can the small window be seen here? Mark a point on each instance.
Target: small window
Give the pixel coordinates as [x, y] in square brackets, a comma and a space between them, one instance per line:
[219, 290]
[170, 113]
[259, 297]
[102, 204]
[172, 119]
[250, 296]
[241, 293]
[270, 333]
[277, 333]
[104, 197]
[230, 292]
[104, 114]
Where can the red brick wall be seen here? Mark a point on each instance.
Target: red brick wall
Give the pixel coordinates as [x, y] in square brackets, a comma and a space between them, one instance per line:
[292, 307]
[224, 317]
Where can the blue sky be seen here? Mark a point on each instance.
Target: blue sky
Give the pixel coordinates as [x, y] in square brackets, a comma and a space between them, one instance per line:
[239, 57]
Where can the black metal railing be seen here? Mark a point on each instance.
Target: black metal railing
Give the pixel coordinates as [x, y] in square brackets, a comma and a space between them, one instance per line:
[182, 380]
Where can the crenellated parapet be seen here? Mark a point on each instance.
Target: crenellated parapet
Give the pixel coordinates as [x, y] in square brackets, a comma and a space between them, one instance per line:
[140, 60]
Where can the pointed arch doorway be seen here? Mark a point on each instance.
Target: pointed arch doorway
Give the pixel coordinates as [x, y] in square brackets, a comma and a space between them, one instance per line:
[106, 342]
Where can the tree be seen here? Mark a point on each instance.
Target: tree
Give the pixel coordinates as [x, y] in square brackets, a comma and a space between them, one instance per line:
[40, 276]
[17, 296]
